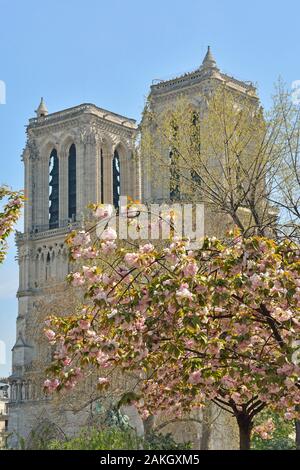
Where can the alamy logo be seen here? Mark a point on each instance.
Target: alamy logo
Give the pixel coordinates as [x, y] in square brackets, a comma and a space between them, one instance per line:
[155, 222]
[2, 92]
[2, 353]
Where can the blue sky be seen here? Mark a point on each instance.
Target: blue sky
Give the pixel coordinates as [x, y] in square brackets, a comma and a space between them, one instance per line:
[108, 52]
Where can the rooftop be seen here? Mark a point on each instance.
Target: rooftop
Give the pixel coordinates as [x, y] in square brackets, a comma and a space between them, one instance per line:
[74, 111]
[207, 69]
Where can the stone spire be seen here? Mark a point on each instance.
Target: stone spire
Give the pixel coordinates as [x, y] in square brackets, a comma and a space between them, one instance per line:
[209, 61]
[42, 109]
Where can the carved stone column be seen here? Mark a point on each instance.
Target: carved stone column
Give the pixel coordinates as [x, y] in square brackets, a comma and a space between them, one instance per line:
[108, 155]
[33, 184]
[26, 265]
[45, 197]
[87, 167]
[80, 183]
[19, 391]
[91, 168]
[21, 267]
[126, 174]
[99, 164]
[138, 182]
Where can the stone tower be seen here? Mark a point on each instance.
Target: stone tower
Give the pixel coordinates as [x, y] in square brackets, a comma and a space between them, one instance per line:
[73, 157]
[195, 88]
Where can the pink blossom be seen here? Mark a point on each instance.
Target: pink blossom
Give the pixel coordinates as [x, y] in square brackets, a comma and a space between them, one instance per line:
[207, 330]
[256, 281]
[103, 380]
[189, 343]
[241, 329]
[88, 253]
[286, 369]
[109, 234]
[84, 324]
[104, 211]
[76, 253]
[289, 383]
[147, 248]
[195, 377]
[145, 414]
[82, 238]
[50, 334]
[265, 429]
[190, 269]
[67, 361]
[102, 359]
[100, 294]
[131, 259]
[274, 388]
[51, 385]
[236, 397]
[77, 280]
[184, 293]
[281, 314]
[90, 274]
[228, 381]
[108, 247]
[172, 308]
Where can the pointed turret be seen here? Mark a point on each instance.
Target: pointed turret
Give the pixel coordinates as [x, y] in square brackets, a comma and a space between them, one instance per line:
[209, 61]
[42, 109]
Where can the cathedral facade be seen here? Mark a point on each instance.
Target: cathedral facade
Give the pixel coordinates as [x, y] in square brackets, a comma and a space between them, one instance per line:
[73, 157]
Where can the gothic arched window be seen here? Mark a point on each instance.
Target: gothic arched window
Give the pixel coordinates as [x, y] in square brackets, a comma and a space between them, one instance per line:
[173, 161]
[116, 179]
[53, 190]
[48, 267]
[72, 182]
[174, 176]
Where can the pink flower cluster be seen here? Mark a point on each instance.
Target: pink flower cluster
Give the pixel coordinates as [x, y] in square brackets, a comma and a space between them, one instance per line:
[265, 430]
[218, 324]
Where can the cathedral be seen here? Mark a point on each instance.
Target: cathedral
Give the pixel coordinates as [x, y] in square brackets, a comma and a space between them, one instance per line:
[73, 157]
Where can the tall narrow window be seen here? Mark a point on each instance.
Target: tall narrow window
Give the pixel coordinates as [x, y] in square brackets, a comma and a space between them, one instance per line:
[72, 183]
[196, 150]
[174, 167]
[48, 267]
[196, 178]
[174, 177]
[53, 190]
[116, 179]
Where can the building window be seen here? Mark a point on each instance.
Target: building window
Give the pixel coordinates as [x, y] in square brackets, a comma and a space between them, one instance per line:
[48, 267]
[53, 190]
[174, 177]
[196, 179]
[116, 179]
[173, 162]
[72, 183]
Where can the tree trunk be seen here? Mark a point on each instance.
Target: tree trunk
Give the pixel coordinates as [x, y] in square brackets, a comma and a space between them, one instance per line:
[148, 425]
[245, 428]
[297, 425]
[206, 427]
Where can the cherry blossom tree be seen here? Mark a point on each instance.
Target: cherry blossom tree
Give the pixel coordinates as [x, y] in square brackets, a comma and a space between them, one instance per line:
[8, 216]
[220, 323]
